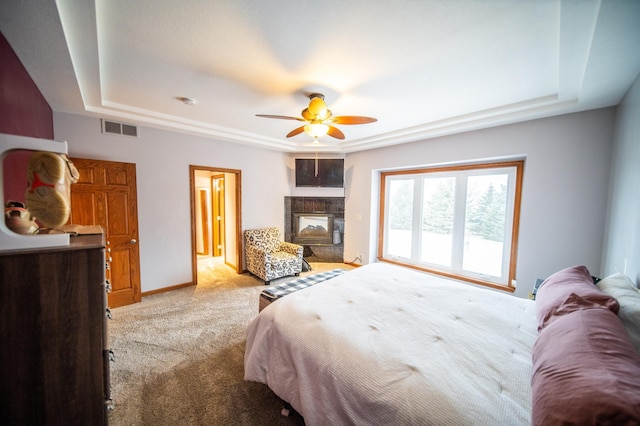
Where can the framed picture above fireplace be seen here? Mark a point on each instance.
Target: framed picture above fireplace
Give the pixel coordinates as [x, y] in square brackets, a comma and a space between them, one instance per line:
[312, 228]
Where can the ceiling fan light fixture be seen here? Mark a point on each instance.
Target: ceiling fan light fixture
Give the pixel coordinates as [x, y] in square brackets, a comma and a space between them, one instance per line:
[320, 120]
[318, 108]
[316, 129]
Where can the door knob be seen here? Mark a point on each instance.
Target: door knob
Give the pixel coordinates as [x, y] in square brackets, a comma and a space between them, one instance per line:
[133, 241]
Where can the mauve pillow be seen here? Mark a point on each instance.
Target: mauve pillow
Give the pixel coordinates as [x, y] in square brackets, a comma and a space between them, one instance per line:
[585, 371]
[574, 280]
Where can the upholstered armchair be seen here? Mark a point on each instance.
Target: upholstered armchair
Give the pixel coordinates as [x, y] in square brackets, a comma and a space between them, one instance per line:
[269, 258]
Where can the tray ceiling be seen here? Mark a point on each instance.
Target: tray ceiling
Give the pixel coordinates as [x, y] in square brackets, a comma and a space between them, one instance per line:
[423, 68]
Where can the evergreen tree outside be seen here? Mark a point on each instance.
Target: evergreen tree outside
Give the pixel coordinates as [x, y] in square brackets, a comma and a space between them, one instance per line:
[401, 204]
[438, 206]
[488, 213]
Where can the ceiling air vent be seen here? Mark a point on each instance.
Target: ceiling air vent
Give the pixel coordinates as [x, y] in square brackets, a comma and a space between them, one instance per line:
[119, 128]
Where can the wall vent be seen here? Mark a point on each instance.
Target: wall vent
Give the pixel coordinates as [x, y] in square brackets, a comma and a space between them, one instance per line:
[119, 128]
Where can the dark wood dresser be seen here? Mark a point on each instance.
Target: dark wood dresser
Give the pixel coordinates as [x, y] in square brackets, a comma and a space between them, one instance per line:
[54, 359]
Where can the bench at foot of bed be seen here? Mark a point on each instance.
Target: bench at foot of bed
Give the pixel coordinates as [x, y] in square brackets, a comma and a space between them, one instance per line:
[275, 292]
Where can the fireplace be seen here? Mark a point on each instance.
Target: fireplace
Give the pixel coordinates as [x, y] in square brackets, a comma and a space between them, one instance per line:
[312, 228]
[326, 214]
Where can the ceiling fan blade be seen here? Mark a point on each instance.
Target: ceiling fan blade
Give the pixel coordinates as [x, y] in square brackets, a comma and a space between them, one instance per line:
[352, 119]
[334, 132]
[306, 114]
[295, 131]
[282, 117]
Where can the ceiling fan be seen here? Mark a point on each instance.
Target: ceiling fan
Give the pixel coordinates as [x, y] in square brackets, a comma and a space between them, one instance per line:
[320, 120]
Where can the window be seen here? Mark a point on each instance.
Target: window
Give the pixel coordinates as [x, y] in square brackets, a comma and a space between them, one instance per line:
[459, 221]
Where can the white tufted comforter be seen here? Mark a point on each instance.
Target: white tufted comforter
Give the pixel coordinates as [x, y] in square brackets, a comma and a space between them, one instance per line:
[388, 345]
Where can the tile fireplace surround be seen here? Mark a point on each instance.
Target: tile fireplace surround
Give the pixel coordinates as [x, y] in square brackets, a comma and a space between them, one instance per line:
[329, 205]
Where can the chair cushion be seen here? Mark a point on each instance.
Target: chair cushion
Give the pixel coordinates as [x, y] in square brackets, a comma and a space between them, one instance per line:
[282, 264]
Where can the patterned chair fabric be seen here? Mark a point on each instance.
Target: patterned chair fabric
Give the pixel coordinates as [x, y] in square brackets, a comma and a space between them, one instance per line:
[269, 258]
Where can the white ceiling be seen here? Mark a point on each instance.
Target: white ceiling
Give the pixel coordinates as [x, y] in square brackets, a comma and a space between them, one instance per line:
[423, 68]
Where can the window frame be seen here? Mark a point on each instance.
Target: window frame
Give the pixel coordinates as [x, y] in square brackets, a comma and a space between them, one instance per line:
[468, 170]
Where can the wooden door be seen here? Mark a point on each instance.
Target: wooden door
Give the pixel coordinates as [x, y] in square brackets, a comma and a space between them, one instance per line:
[203, 224]
[217, 186]
[105, 195]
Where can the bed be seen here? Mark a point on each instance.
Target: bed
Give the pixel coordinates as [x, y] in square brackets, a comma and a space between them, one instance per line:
[382, 344]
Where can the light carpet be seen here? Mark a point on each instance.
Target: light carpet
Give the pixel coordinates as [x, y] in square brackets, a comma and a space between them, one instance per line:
[179, 355]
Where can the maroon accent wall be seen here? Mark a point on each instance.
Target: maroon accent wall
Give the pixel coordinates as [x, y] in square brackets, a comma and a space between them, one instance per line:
[23, 112]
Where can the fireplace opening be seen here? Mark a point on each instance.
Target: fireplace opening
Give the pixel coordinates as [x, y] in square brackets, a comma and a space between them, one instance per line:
[313, 228]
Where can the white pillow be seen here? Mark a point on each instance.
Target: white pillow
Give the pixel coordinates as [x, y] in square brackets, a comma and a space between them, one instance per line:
[620, 287]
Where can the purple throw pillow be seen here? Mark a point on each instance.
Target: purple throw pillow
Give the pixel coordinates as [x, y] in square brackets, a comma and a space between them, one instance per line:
[585, 370]
[556, 289]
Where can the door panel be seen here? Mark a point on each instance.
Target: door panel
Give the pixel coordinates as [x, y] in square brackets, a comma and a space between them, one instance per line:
[117, 177]
[120, 271]
[217, 185]
[203, 224]
[106, 195]
[82, 206]
[118, 223]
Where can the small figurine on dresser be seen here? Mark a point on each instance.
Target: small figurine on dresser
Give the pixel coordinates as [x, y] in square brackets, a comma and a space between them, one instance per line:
[18, 219]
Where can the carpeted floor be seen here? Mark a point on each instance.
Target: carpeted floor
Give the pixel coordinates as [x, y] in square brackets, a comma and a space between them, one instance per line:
[179, 356]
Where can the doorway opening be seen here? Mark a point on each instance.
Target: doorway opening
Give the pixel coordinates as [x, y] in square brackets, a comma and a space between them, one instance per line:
[215, 221]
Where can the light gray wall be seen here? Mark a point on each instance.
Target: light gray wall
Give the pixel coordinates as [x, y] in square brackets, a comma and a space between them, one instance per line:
[622, 245]
[162, 161]
[564, 201]
[564, 193]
